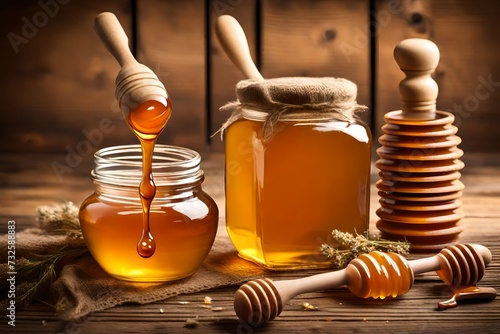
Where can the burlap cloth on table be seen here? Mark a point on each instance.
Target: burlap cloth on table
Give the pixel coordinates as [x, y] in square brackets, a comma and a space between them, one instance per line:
[83, 287]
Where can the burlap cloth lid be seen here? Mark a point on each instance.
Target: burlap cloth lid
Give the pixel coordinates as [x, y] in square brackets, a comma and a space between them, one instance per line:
[294, 97]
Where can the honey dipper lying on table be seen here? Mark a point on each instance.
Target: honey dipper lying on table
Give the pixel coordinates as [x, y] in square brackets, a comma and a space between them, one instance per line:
[376, 275]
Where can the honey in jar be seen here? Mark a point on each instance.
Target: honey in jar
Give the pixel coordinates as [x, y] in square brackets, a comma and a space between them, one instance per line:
[149, 219]
[288, 187]
[182, 217]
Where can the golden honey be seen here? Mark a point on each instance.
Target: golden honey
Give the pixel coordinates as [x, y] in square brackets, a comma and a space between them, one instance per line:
[379, 275]
[147, 122]
[182, 218]
[285, 195]
[149, 219]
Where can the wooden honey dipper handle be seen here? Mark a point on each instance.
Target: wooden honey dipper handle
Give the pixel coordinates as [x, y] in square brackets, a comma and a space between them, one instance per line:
[418, 59]
[369, 275]
[135, 83]
[235, 44]
[114, 38]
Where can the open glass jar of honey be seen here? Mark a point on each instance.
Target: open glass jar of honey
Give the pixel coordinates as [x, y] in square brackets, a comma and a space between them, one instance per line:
[183, 218]
[297, 167]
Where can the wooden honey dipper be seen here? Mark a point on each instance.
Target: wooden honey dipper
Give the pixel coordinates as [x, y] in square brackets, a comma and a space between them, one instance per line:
[146, 107]
[376, 275]
[419, 164]
[135, 83]
[234, 42]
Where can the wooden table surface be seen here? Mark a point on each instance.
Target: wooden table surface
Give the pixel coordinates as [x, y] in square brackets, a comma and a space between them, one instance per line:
[28, 181]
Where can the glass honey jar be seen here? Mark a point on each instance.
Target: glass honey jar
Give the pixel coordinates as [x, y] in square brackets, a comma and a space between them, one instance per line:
[295, 169]
[183, 218]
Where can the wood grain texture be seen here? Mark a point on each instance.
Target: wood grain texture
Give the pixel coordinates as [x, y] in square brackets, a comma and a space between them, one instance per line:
[469, 71]
[61, 82]
[318, 39]
[171, 41]
[28, 182]
[57, 80]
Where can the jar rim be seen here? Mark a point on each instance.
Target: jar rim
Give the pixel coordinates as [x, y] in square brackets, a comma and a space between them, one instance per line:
[122, 165]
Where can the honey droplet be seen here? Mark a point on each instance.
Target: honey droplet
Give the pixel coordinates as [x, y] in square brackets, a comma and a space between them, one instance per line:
[146, 246]
[147, 189]
[149, 119]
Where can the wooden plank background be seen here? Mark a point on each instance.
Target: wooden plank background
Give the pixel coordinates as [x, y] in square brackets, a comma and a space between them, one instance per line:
[57, 89]
[468, 37]
[57, 82]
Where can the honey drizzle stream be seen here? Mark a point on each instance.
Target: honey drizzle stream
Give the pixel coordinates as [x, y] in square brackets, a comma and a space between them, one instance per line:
[147, 122]
[147, 190]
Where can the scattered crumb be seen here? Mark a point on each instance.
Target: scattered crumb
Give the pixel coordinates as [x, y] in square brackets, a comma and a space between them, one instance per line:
[340, 303]
[207, 300]
[183, 303]
[309, 307]
[206, 306]
[364, 319]
[43, 322]
[191, 322]
[161, 310]
[217, 309]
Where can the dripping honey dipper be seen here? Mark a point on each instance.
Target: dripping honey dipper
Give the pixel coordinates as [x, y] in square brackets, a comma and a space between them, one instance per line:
[135, 83]
[145, 105]
[459, 266]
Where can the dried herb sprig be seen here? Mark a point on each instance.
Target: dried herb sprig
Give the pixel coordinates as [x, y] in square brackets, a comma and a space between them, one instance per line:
[39, 271]
[61, 219]
[346, 246]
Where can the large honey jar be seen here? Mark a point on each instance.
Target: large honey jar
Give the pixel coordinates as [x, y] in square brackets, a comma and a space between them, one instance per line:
[183, 218]
[297, 166]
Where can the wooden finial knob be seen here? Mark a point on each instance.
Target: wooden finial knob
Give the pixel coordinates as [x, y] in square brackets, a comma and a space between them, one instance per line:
[418, 59]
